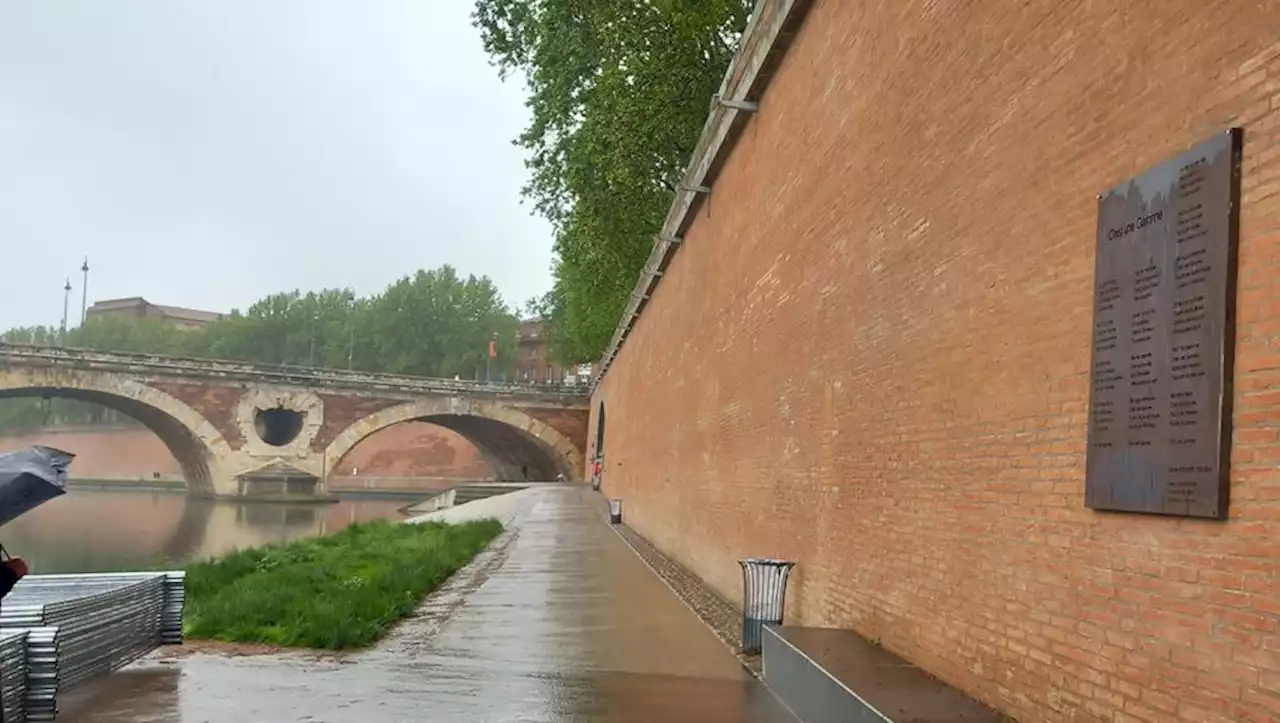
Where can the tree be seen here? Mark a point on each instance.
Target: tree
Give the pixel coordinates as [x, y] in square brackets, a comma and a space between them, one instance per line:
[435, 323]
[619, 91]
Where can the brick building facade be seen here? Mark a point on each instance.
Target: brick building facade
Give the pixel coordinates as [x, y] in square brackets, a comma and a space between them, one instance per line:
[871, 354]
[533, 359]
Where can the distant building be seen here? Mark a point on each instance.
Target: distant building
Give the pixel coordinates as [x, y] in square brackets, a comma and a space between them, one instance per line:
[137, 307]
[534, 364]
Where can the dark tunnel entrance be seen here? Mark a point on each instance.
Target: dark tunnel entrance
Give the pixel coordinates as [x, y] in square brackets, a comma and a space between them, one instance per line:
[512, 453]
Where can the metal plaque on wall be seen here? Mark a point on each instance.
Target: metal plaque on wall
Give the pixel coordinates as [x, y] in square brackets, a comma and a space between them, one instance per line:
[1163, 330]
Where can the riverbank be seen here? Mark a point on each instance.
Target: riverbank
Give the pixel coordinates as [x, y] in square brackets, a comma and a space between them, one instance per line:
[334, 593]
[557, 620]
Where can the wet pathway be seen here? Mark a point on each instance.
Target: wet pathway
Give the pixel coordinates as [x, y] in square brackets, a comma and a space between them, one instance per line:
[568, 625]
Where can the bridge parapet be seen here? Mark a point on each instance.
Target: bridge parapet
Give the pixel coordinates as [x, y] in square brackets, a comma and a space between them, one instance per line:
[237, 371]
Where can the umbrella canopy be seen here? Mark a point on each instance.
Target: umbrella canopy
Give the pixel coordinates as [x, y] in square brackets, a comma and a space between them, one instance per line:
[29, 478]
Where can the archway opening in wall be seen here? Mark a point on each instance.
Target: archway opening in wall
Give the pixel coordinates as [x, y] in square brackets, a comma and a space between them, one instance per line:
[600, 431]
[411, 456]
[113, 436]
[278, 427]
[513, 454]
[507, 453]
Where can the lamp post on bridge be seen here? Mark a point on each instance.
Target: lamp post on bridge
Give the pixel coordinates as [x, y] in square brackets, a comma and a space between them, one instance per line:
[66, 300]
[311, 355]
[84, 292]
[488, 360]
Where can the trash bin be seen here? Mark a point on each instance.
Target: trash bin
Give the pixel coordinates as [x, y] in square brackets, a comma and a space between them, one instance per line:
[764, 592]
[615, 512]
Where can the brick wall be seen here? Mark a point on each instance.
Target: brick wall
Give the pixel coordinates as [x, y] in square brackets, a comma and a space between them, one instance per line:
[413, 449]
[215, 403]
[871, 355]
[114, 453]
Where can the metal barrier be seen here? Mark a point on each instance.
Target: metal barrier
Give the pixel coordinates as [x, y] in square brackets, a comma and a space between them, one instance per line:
[764, 593]
[76, 627]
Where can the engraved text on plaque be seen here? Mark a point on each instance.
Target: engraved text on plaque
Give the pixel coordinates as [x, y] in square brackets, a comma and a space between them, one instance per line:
[1164, 296]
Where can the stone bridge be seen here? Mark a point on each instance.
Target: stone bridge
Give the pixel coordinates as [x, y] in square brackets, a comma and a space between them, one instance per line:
[241, 429]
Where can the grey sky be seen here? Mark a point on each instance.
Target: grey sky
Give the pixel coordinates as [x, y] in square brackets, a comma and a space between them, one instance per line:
[207, 153]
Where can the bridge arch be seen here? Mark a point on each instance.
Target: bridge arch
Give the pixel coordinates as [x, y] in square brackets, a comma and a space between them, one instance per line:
[191, 439]
[514, 444]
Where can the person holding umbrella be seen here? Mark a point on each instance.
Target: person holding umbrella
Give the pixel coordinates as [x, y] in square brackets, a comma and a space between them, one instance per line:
[28, 478]
[12, 570]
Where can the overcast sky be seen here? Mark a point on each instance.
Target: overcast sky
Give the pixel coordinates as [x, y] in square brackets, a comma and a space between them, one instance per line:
[205, 153]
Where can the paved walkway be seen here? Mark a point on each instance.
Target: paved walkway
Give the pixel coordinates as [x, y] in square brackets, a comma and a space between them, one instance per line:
[561, 623]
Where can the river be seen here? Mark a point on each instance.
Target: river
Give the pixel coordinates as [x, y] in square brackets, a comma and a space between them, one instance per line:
[94, 530]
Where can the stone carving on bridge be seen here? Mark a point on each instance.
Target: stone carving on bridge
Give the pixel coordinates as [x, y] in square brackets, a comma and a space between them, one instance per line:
[278, 423]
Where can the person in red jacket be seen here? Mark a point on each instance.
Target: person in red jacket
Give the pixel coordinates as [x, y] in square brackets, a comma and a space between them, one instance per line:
[11, 571]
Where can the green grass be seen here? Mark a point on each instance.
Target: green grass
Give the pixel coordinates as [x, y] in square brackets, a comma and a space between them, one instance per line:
[337, 592]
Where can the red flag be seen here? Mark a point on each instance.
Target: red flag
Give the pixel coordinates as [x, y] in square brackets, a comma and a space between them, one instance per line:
[493, 349]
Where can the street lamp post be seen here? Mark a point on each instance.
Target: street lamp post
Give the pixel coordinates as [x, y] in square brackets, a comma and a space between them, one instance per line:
[311, 355]
[66, 300]
[488, 359]
[84, 291]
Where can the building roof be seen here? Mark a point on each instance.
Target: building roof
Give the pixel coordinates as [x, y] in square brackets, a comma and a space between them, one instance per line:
[177, 313]
[113, 304]
[276, 469]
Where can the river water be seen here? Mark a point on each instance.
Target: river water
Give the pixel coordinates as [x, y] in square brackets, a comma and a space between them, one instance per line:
[93, 530]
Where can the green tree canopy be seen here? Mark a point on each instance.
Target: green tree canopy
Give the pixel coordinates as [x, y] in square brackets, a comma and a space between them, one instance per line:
[619, 91]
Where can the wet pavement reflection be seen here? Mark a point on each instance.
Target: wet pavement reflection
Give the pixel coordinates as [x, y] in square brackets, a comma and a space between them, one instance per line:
[563, 623]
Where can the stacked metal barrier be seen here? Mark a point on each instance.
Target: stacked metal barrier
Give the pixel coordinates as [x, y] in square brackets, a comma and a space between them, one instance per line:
[80, 626]
[40, 702]
[13, 675]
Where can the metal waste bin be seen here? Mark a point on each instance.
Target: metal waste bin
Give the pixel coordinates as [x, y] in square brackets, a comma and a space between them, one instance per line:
[615, 512]
[764, 592]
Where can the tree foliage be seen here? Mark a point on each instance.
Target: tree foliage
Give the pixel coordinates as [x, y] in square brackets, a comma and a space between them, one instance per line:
[619, 91]
[433, 323]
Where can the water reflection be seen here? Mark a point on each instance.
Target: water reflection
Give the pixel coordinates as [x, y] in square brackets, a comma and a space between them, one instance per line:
[90, 530]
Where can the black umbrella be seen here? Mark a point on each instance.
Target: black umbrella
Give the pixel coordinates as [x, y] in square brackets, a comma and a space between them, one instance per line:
[29, 478]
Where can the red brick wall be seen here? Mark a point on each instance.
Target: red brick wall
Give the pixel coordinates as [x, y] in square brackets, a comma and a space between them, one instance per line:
[572, 423]
[871, 355]
[216, 403]
[125, 453]
[413, 449]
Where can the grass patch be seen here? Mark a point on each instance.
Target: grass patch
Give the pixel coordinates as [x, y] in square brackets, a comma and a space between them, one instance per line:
[336, 592]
